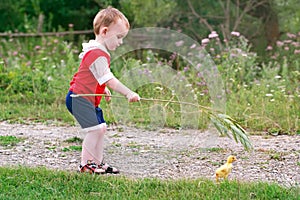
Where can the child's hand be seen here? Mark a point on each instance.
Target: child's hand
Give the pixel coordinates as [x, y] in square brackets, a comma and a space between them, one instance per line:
[107, 92]
[133, 97]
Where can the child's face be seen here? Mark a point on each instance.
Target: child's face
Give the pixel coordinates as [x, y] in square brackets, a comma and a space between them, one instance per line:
[114, 35]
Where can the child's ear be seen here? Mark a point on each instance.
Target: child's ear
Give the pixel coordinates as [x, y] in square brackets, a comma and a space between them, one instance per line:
[103, 31]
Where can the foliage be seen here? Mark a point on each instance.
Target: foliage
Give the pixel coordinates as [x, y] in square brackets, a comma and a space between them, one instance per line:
[24, 15]
[29, 69]
[265, 92]
[147, 13]
[39, 183]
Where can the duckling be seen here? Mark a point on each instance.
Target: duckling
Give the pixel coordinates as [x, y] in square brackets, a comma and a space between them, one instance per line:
[224, 170]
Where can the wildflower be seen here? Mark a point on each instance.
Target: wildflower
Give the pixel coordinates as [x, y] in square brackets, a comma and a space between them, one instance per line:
[287, 41]
[198, 65]
[28, 63]
[193, 46]
[234, 33]
[37, 47]
[71, 25]
[213, 34]
[179, 43]
[272, 100]
[297, 51]
[296, 44]
[15, 53]
[286, 48]
[291, 35]
[269, 95]
[277, 77]
[279, 43]
[205, 41]
[185, 69]
[269, 48]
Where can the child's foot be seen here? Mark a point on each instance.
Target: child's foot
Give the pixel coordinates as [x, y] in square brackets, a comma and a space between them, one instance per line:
[109, 169]
[91, 168]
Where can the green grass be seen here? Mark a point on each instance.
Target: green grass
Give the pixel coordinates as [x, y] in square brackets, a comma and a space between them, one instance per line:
[39, 183]
[9, 140]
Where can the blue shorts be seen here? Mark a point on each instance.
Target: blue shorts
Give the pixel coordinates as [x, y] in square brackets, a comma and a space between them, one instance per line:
[84, 111]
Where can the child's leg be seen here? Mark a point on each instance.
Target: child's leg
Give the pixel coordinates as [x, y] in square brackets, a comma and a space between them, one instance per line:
[92, 146]
[100, 144]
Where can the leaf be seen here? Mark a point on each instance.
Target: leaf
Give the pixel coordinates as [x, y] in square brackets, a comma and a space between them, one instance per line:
[230, 127]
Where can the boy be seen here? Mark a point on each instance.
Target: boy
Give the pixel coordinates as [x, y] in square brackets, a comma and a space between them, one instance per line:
[92, 77]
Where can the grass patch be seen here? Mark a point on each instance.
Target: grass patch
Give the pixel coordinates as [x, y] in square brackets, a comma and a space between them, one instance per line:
[39, 183]
[74, 140]
[72, 148]
[9, 140]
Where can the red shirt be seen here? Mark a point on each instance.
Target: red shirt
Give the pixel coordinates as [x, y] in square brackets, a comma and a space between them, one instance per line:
[84, 82]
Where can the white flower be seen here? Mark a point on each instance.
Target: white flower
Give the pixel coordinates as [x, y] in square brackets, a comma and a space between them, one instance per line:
[269, 95]
[277, 77]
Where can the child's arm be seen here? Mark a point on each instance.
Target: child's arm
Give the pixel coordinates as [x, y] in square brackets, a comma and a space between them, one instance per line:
[117, 86]
[102, 73]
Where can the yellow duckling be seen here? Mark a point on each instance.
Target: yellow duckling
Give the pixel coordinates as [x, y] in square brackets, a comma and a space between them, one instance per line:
[224, 170]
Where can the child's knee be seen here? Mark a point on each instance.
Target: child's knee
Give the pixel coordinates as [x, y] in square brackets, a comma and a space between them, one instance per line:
[103, 128]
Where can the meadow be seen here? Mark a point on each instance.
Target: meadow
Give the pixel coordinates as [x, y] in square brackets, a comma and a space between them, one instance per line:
[262, 94]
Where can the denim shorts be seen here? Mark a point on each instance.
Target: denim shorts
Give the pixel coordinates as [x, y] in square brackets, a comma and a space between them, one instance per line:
[84, 111]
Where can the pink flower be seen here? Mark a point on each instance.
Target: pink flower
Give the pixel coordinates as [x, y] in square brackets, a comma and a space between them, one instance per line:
[279, 43]
[193, 46]
[205, 41]
[179, 43]
[287, 41]
[297, 51]
[235, 33]
[213, 34]
[37, 47]
[296, 44]
[269, 48]
[291, 35]
[28, 63]
[286, 48]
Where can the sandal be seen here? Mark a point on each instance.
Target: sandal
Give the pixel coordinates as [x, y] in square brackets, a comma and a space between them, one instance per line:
[91, 168]
[109, 169]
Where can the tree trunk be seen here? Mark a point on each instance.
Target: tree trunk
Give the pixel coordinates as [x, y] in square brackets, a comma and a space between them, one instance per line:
[263, 10]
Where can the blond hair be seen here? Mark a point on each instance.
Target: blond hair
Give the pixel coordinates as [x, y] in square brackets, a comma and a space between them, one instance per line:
[107, 16]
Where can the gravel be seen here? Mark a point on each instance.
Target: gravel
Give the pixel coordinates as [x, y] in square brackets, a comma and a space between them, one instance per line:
[162, 153]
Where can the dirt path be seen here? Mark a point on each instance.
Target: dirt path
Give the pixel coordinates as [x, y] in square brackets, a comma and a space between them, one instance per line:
[164, 153]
